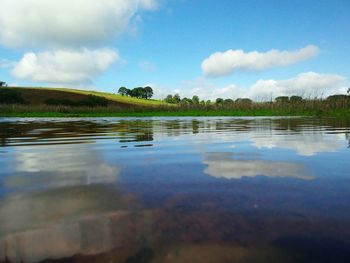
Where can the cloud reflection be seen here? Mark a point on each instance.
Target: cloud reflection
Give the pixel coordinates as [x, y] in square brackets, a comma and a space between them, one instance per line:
[64, 204]
[305, 144]
[65, 222]
[221, 165]
[60, 167]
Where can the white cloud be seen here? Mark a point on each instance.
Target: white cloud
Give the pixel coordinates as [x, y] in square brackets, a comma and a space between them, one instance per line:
[60, 29]
[67, 23]
[64, 66]
[309, 84]
[226, 63]
[200, 87]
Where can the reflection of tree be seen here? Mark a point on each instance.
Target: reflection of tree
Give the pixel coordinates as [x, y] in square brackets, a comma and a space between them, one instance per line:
[137, 131]
[73, 132]
[143, 130]
[347, 136]
[172, 127]
[195, 126]
[3, 141]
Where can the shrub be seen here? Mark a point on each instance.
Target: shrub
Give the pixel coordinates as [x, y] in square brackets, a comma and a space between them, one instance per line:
[91, 101]
[59, 102]
[11, 97]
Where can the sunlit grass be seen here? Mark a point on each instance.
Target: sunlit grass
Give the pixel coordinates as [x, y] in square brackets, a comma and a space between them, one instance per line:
[66, 111]
[109, 96]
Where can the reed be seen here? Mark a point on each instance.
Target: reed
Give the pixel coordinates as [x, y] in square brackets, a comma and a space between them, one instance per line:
[311, 107]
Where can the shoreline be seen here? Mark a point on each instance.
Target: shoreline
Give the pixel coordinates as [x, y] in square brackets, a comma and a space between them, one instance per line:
[184, 113]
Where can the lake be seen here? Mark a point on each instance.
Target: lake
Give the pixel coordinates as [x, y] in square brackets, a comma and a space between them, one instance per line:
[175, 190]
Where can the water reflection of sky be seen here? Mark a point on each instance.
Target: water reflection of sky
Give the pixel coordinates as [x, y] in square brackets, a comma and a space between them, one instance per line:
[125, 186]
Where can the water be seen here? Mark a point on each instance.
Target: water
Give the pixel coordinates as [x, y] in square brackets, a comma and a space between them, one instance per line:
[175, 190]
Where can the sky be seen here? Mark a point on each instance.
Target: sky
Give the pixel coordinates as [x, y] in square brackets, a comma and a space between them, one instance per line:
[259, 49]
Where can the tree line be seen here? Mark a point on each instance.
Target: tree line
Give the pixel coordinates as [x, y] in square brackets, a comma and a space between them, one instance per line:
[139, 92]
[195, 100]
[176, 99]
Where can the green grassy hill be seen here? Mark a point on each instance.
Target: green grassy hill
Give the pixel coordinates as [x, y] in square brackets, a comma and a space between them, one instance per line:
[39, 95]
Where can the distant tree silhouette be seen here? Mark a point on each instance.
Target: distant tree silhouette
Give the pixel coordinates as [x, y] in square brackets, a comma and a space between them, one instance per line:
[148, 92]
[177, 98]
[3, 84]
[195, 99]
[244, 101]
[295, 99]
[169, 99]
[186, 101]
[219, 101]
[282, 99]
[228, 101]
[123, 91]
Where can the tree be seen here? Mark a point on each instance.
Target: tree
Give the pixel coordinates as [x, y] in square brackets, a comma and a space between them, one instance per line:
[295, 99]
[244, 101]
[3, 84]
[228, 101]
[337, 98]
[138, 92]
[123, 91]
[195, 99]
[186, 101]
[148, 92]
[169, 99]
[219, 100]
[282, 99]
[176, 98]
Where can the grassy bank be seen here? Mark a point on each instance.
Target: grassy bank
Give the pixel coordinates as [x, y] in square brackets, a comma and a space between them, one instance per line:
[40, 95]
[34, 102]
[59, 111]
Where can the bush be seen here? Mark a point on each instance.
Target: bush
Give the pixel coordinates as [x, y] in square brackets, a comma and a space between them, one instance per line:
[11, 97]
[60, 102]
[95, 101]
[91, 101]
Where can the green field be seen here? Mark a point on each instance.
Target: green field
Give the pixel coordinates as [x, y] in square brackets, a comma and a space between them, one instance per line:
[38, 95]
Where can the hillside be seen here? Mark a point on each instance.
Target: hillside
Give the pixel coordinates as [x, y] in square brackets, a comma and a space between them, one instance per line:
[39, 95]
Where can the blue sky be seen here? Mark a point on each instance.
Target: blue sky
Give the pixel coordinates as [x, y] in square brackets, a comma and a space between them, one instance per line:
[164, 44]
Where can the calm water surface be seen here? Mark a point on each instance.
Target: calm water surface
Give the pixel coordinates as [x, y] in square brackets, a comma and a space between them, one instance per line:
[175, 190]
